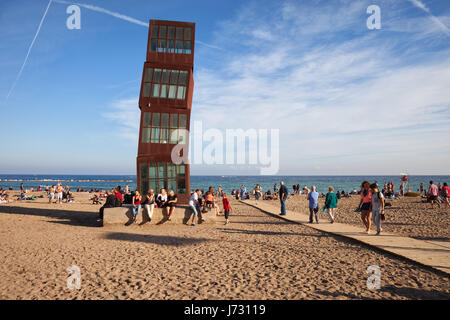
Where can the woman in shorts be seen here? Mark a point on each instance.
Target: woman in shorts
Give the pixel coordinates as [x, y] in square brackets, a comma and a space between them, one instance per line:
[364, 205]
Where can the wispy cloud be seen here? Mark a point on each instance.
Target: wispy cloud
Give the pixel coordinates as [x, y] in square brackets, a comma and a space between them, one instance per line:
[419, 4]
[125, 114]
[29, 51]
[106, 11]
[122, 17]
[354, 101]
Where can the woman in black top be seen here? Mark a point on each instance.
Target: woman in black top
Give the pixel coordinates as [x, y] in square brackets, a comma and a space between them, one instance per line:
[170, 204]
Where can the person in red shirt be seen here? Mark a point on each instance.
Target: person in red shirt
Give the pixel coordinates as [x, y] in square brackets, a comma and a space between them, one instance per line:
[226, 207]
[118, 194]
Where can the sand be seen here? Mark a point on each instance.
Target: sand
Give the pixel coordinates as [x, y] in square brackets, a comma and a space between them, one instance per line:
[254, 257]
[407, 216]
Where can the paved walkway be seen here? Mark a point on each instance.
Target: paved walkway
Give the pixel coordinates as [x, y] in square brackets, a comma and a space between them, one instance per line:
[435, 254]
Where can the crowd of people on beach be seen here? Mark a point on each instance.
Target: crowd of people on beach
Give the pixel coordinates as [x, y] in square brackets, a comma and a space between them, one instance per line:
[371, 206]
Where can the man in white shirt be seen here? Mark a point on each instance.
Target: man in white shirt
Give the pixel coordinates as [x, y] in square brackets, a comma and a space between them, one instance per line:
[195, 206]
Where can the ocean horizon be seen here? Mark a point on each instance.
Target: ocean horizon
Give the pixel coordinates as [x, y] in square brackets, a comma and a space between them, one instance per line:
[228, 182]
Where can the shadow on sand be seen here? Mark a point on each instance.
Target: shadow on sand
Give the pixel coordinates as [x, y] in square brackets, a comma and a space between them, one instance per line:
[155, 239]
[73, 218]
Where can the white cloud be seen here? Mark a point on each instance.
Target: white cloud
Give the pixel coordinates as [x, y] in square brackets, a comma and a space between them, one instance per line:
[125, 113]
[353, 101]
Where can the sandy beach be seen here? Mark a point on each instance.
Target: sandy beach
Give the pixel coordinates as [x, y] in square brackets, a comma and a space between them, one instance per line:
[254, 257]
[407, 216]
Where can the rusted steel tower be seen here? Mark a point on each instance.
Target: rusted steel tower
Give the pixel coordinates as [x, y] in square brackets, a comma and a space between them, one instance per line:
[165, 102]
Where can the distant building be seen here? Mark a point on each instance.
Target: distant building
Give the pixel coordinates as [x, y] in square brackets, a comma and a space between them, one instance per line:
[165, 102]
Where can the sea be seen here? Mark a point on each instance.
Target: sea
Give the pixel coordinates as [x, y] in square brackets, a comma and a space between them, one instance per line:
[228, 183]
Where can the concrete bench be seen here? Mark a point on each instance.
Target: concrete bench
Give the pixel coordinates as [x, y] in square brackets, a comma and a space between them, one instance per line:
[183, 214]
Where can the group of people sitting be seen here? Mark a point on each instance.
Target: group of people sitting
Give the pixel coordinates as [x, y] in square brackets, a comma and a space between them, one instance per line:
[147, 202]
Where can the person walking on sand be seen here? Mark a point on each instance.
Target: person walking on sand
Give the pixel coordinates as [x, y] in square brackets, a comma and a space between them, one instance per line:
[195, 206]
[331, 203]
[226, 207]
[433, 193]
[364, 205]
[313, 198]
[149, 203]
[283, 196]
[136, 201]
[376, 206]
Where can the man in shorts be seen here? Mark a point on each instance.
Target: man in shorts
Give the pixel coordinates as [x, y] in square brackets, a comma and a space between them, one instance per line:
[59, 193]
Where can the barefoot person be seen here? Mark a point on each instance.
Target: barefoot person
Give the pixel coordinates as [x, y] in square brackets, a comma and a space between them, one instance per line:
[331, 203]
[313, 198]
[136, 201]
[377, 206]
[226, 207]
[364, 205]
[170, 204]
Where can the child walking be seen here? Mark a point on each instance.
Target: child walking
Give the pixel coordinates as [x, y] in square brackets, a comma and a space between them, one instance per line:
[226, 207]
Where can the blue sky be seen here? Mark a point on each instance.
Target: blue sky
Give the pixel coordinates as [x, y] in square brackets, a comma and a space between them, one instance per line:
[347, 100]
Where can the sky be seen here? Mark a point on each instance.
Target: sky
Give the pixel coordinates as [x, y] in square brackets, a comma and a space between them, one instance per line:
[346, 100]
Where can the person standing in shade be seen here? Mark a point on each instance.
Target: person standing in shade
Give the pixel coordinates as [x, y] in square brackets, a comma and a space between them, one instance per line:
[226, 207]
[377, 206]
[331, 203]
[313, 198]
[283, 196]
[433, 192]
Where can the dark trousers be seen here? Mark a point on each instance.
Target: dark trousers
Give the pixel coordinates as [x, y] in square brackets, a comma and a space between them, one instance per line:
[283, 206]
[227, 213]
[316, 214]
